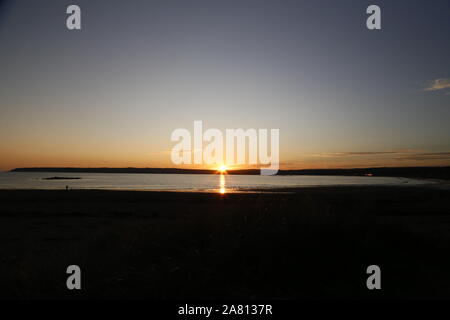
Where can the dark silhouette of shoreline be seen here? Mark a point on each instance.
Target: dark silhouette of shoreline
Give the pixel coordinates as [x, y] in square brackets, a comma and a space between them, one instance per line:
[407, 172]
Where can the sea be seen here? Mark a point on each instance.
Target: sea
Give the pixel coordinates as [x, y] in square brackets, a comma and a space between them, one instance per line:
[222, 183]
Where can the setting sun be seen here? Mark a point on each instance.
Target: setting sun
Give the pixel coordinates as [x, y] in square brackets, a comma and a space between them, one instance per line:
[223, 168]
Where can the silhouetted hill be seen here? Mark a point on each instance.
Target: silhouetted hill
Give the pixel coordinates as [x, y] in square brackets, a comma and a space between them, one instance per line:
[409, 172]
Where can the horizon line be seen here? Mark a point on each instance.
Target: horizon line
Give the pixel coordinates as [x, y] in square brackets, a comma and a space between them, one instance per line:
[213, 169]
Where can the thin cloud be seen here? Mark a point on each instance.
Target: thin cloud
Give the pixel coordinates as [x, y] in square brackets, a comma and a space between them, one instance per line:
[346, 154]
[395, 155]
[438, 84]
[427, 156]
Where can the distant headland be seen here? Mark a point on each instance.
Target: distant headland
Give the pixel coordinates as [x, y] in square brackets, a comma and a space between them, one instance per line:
[407, 172]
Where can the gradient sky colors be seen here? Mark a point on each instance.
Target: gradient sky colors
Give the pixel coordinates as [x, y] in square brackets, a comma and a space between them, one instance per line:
[112, 93]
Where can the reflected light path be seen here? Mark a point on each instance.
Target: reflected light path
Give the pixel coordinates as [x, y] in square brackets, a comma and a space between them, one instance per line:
[222, 189]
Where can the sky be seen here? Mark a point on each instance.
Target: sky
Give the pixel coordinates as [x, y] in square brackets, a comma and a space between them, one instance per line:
[110, 94]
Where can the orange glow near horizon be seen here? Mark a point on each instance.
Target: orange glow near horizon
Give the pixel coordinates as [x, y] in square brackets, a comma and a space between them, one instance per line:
[25, 156]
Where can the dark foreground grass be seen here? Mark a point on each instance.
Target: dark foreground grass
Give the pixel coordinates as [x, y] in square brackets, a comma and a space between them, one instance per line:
[313, 243]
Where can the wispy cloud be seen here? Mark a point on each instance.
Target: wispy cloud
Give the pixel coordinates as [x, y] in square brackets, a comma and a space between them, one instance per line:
[400, 155]
[438, 84]
[362, 153]
[365, 159]
[427, 156]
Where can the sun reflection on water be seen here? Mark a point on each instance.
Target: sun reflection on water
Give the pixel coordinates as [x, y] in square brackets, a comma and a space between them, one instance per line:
[222, 189]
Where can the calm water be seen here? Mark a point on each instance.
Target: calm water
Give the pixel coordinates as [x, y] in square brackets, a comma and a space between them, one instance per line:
[186, 182]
